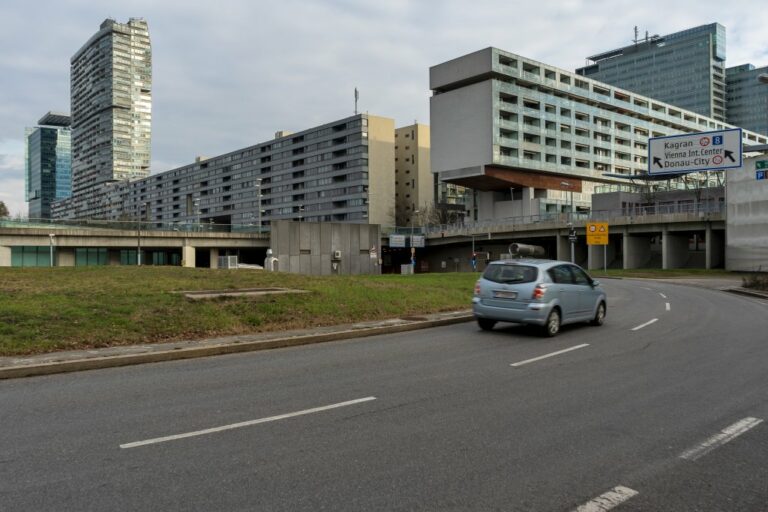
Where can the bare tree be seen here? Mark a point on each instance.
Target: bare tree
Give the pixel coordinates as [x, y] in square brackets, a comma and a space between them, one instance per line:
[3, 210]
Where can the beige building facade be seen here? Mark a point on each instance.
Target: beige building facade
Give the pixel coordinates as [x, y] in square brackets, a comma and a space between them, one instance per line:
[414, 181]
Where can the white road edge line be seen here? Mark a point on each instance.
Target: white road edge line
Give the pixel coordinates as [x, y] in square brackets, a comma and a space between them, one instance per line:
[668, 307]
[246, 423]
[662, 295]
[724, 436]
[552, 354]
[608, 500]
[646, 324]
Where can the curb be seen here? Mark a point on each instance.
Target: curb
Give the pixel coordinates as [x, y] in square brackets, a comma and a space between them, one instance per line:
[76, 365]
[748, 293]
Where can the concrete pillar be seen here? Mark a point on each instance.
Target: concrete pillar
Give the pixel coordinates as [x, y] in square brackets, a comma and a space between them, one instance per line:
[674, 249]
[65, 256]
[5, 256]
[563, 248]
[714, 247]
[188, 256]
[527, 201]
[637, 251]
[214, 258]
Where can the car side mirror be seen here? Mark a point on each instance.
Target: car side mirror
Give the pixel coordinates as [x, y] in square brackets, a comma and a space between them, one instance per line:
[595, 284]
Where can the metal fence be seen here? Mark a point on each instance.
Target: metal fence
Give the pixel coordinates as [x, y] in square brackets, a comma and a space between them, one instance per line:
[506, 223]
[133, 225]
[563, 219]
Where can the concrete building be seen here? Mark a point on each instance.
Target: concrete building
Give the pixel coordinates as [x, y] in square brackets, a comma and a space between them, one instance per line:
[341, 171]
[531, 139]
[414, 181]
[111, 101]
[747, 95]
[47, 164]
[747, 220]
[686, 69]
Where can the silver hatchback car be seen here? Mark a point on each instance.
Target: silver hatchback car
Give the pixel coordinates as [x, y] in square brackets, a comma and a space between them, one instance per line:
[538, 292]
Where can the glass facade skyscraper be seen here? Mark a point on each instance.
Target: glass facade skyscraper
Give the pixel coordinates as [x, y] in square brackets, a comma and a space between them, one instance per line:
[111, 98]
[47, 164]
[747, 89]
[686, 69]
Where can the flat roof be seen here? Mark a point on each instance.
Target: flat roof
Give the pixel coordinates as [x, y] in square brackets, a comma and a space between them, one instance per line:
[55, 119]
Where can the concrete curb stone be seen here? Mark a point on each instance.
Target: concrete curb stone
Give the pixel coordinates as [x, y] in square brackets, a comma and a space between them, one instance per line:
[63, 362]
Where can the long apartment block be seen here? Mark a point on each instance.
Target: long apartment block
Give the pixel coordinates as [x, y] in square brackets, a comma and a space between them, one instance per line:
[341, 171]
[530, 138]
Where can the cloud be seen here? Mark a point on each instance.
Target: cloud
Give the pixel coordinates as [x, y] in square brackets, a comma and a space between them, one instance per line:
[12, 177]
[230, 73]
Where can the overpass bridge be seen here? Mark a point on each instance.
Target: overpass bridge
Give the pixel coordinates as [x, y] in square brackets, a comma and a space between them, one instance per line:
[650, 237]
[64, 244]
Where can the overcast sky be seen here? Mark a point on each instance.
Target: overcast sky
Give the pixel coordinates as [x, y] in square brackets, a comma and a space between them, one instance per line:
[229, 73]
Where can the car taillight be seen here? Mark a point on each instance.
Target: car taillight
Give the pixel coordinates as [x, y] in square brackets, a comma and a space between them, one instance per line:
[477, 288]
[538, 292]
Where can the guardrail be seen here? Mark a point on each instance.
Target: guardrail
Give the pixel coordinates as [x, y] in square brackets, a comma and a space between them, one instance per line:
[133, 225]
[563, 219]
[462, 227]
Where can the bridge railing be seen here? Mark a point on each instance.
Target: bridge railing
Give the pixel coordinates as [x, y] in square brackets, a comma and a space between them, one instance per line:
[563, 219]
[132, 225]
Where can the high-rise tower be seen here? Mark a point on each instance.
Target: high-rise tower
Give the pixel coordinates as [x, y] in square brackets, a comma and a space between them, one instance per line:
[47, 164]
[111, 97]
[686, 69]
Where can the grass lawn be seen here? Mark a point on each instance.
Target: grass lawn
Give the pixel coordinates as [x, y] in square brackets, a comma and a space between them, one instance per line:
[47, 309]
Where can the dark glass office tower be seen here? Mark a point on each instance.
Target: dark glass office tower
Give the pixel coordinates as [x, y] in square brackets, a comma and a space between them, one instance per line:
[686, 69]
[48, 164]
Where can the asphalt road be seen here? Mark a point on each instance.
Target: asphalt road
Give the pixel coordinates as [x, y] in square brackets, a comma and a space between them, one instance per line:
[662, 417]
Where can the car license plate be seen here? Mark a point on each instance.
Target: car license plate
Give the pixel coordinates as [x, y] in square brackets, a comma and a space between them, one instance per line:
[502, 294]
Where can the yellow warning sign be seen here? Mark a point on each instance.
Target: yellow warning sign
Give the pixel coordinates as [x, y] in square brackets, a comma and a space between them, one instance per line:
[597, 233]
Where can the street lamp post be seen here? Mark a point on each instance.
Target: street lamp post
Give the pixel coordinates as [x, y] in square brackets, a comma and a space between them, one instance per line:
[258, 197]
[196, 204]
[571, 231]
[138, 247]
[51, 237]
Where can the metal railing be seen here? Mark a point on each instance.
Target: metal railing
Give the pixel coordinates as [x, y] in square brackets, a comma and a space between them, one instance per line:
[133, 225]
[560, 219]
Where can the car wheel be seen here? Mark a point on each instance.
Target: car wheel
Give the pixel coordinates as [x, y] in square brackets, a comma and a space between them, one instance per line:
[486, 324]
[552, 327]
[599, 315]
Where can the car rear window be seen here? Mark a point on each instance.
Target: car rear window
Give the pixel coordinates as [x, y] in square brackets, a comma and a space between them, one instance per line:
[511, 273]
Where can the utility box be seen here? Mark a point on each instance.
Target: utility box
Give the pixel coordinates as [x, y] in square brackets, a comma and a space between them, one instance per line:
[227, 261]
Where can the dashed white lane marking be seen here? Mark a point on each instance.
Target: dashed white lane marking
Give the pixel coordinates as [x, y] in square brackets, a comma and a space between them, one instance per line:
[644, 288]
[662, 295]
[552, 354]
[608, 500]
[246, 423]
[646, 324]
[668, 307]
[724, 436]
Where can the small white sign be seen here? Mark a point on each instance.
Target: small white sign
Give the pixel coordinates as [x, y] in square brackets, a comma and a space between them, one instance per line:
[417, 241]
[693, 152]
[397, 240]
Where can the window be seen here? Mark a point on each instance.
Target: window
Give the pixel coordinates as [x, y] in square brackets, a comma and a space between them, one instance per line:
[510, 273]
[579, 276]
[560, 275]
